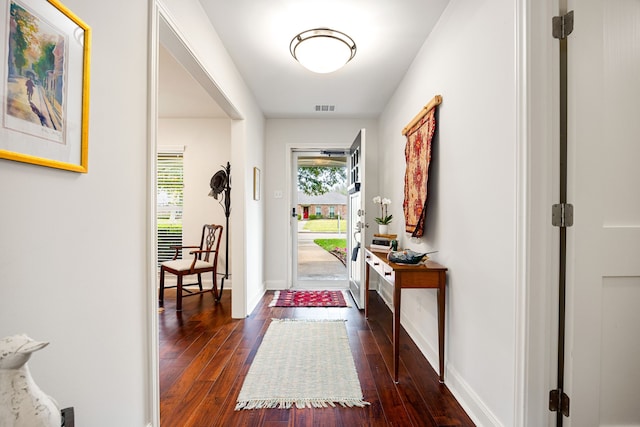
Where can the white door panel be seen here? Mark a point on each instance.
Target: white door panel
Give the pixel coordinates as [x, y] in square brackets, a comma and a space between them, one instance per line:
[356, 224]
[603, 375]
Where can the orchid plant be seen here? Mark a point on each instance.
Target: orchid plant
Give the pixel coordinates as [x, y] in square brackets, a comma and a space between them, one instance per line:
[384, 203]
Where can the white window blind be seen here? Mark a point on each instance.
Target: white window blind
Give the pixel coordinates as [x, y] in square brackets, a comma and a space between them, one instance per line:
[169, 203]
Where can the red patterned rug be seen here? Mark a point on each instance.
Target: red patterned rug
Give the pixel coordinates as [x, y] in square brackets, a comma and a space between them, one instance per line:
[290, 298]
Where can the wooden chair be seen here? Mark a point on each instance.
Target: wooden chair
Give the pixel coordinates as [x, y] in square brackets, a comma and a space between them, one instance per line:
[209, 247]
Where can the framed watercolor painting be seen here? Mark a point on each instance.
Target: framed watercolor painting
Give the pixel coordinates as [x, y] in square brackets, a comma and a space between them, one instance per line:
[44, 81]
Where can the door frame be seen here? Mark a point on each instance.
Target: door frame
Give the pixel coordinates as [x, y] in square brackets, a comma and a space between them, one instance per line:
[296, 283]
[163, 27]
[535, 259]
[538, 253]
[289, 153]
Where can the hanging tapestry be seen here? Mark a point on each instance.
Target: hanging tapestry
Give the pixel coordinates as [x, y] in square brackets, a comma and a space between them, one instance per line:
[417, 155]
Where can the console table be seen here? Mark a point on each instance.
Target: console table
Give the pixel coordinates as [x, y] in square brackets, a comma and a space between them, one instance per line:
[401, 276]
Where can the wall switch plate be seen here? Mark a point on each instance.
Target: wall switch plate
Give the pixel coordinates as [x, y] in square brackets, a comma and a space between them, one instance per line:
[277, 194]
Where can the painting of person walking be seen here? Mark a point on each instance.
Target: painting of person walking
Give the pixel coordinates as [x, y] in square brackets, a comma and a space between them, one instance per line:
[36, 81]
[29, 84]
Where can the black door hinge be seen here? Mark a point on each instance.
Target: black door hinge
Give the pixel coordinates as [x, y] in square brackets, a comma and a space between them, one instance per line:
[562, 26]
[559, 402]
[562, 215]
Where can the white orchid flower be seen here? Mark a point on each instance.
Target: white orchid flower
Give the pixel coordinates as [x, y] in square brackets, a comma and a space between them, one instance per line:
[384, 203]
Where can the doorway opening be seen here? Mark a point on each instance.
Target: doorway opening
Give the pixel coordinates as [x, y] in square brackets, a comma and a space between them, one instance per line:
[319, 220]
[185, 104]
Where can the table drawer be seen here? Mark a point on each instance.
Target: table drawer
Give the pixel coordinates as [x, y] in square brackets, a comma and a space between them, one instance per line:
[382, 268]
[375, 263]
[388, 274]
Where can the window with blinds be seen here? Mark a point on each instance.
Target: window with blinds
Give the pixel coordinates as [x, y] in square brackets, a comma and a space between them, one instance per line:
[169, 203]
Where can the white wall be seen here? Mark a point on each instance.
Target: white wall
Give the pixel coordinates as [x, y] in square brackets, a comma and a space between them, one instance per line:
[247, 148]
[281, 135]
[73, 246]
[207, 150]
[469, 59]
[61, 232]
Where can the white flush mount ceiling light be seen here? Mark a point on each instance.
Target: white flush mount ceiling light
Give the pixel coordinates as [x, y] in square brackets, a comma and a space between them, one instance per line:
[322, 50]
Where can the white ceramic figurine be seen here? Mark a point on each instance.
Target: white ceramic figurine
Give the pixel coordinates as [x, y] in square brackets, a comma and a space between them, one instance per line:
[22, 403]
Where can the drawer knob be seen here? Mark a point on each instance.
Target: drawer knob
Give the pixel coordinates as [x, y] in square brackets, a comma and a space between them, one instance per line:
[387, 273]
[376, 263]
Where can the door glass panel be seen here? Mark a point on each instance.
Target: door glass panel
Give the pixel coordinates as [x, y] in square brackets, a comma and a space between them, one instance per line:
[321, 200]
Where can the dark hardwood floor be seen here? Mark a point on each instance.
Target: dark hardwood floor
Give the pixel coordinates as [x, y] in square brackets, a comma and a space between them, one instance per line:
[205, 355]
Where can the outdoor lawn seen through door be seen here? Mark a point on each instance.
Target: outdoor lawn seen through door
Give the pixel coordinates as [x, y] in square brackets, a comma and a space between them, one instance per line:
[320, 222]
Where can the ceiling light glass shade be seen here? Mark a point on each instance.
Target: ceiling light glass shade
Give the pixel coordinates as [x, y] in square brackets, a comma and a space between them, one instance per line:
[322, 50]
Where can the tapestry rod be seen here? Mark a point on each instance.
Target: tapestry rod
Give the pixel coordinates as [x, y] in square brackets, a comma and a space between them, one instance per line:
[437, 100]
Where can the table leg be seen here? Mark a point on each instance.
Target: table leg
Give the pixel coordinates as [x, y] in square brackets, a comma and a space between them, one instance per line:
[441, 307]
[366, 292]
[397, 292]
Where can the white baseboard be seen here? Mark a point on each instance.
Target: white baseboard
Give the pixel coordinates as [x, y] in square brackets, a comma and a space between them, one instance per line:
[464, 394]
[276, 285]
[480, 414]
[228, 284]
[280, 285]
[253, 302]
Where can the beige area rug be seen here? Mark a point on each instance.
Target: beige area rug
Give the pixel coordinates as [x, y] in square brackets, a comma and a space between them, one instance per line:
[303, 363]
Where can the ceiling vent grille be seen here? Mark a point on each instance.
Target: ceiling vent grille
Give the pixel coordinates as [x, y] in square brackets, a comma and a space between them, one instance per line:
[325, 108]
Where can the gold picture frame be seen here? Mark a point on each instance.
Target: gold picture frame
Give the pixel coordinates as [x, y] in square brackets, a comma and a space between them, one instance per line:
[45, 77]
[256, 183]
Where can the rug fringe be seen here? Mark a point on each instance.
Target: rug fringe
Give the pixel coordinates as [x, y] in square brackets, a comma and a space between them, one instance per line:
[299, 403]
[274, 301]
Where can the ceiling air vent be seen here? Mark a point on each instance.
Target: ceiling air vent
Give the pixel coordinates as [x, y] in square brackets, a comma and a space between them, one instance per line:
[325, 108]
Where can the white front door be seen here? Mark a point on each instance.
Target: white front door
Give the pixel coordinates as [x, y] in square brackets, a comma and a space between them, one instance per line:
[603, 276]
[356, 224]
